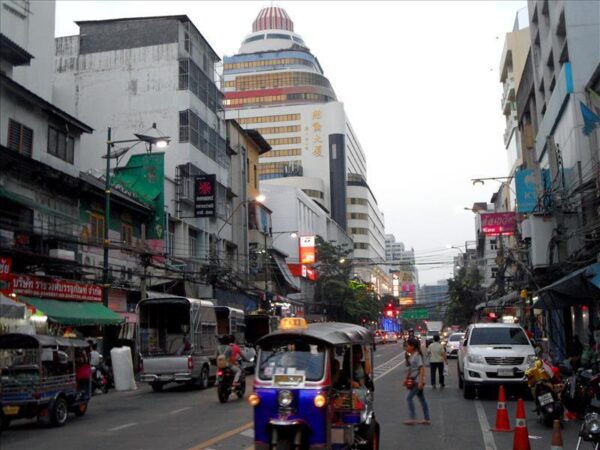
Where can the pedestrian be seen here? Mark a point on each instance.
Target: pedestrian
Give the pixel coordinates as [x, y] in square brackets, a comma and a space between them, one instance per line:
[415, 381]
[437, 359]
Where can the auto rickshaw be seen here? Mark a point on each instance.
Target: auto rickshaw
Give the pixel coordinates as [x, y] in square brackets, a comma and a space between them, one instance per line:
[313, 388]
[38, 378]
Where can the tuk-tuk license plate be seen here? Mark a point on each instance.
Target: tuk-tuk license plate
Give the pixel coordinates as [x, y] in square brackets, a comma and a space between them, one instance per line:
[506, 372]
[10, 410]
[545, 399]
[288, 380]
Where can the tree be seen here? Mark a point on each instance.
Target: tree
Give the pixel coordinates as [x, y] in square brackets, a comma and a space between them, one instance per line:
[464, 293]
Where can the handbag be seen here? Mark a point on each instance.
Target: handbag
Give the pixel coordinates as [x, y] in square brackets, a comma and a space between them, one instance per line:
[409, 383]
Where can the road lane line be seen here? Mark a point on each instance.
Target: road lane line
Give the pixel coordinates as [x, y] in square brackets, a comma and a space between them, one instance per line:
[248, 433]
[120, 427]
[381, 375]
[179, 410]
[488, 437]
[204, 445]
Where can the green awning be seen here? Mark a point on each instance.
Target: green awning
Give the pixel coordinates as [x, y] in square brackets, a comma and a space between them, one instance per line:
[75, 313]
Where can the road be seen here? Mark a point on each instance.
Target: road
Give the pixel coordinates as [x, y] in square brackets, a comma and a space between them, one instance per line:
[179, 418]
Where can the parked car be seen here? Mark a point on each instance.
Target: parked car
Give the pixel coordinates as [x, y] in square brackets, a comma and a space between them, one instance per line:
[378, 338]
[453, 344]
[493, 354]
[390, 336]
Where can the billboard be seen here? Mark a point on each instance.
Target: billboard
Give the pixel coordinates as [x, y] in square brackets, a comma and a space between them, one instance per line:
[60, 289]
[498, 224]
[307, 250]
[205, 196]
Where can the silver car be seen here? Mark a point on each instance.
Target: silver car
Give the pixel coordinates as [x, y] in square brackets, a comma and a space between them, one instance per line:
[453, 344]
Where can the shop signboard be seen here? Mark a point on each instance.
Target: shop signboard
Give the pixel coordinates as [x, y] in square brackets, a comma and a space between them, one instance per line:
[307, 250]
[205, 196]
[498, 224]
[33, 286]
[5, 266]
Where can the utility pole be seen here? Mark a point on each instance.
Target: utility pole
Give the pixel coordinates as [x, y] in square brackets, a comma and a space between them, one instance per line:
[106, 240]
[144, 264]
[266, 266]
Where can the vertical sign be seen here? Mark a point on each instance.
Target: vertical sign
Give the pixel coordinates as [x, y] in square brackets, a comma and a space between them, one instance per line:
[204, 196]
[307, 250]
[316, 126]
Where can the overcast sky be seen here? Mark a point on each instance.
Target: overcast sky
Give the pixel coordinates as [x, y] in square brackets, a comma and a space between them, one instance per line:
[420, 84]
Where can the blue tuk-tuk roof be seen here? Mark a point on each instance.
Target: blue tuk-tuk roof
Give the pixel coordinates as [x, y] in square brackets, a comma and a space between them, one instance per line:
[332, 333]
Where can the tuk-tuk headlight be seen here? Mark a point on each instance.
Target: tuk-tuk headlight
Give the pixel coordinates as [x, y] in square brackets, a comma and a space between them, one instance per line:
[320, 400]
[253, 399]
[592, 423]
[285, 398]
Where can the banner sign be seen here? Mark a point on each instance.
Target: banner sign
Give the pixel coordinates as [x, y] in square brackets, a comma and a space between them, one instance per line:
[33, 286]
[205, 196]
[5, 266]
[495, 224]
[307, 250]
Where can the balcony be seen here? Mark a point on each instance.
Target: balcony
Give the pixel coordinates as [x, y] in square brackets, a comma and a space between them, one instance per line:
[508, 95]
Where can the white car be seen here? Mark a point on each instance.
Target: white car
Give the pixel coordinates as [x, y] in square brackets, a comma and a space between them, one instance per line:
[493, 354]
[453, 344]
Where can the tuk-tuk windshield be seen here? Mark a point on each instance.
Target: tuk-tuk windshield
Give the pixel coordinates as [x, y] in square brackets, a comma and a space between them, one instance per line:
[292, 359]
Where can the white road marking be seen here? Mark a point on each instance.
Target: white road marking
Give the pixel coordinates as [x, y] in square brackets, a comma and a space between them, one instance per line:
[179, 410]
[248, 433]
[381, 375]
[488, 437]
[120, 427]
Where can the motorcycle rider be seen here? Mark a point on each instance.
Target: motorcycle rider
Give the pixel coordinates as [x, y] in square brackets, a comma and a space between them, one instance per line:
[95, 356]
[233, 354]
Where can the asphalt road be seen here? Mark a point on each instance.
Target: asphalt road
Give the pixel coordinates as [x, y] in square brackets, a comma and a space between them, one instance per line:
[179, 418]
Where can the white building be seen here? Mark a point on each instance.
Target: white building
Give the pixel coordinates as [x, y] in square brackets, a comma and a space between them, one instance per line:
[275, 85]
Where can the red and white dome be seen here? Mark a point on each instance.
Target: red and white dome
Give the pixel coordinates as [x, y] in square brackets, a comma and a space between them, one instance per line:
[272, 18]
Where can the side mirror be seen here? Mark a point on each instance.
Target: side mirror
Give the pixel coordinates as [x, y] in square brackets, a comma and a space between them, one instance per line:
[465, 343]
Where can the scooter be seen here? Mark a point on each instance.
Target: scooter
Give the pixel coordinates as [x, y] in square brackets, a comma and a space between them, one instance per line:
[99, 380]
[225, 385]
[545, 384]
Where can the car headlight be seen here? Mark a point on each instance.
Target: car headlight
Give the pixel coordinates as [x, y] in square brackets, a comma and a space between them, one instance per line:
[285, 398]
[476, 359]
[592, 423]
[531, 359]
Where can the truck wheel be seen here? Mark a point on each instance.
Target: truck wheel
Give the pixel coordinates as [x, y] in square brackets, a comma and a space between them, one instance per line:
[59, 412]
[156, 386]
[203, 377]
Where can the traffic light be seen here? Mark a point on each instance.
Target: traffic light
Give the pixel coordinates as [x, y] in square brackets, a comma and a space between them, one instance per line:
[389, 310]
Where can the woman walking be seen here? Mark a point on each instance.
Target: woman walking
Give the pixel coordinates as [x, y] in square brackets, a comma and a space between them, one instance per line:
[415, 381]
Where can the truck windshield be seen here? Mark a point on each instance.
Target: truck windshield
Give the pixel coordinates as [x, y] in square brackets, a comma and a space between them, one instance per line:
[292, 359]
[498, 336]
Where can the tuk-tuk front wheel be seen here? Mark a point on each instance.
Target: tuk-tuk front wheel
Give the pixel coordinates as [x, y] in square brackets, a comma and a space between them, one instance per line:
[59, 412]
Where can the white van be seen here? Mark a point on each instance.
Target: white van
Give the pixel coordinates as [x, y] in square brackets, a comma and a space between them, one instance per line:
[177, 341]
[493, 354]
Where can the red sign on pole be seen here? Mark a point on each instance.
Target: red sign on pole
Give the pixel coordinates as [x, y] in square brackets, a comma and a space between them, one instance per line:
[307, 250]
[496, 224]
[33, 286]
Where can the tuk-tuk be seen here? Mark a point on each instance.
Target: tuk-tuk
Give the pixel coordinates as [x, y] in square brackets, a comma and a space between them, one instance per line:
[313, 388]
[38, 378]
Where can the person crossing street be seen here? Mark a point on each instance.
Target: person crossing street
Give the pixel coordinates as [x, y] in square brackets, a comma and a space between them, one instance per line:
[437, 360]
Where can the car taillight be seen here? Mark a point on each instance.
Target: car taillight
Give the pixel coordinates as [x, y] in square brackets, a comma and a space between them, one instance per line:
[190, 363]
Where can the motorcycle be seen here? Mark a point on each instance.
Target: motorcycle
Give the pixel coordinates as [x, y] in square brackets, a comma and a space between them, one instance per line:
[99, 380]
[545, 385]
[590, 428]
[225, 385]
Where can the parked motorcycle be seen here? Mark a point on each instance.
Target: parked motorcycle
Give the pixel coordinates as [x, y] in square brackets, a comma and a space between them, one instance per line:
[99, 380]
[545, 385]
[225, 385]
[590, 428]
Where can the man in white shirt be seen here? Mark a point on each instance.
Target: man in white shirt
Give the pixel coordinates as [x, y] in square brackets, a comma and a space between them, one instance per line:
[94, 356]
[437, 359]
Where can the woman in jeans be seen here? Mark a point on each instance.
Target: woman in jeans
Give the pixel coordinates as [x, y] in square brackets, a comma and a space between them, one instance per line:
[415, 378]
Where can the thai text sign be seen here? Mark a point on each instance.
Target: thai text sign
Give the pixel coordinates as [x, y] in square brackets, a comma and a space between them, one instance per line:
[54, 288]
[417, 313]
[498, 223]
[5, 266]
[307, 250]
[205, 196]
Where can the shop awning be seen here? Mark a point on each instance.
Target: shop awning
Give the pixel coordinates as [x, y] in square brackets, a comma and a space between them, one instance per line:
[10, 309]
[75, 313]
[285, 271]
[581, 287]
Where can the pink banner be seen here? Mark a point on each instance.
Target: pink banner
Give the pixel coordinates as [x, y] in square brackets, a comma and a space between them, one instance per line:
[498, 223]
[33, 286]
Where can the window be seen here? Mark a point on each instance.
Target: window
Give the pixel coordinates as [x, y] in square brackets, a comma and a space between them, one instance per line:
[194, 130]
[361, 246]
[96, 227]
[313, 193]
[494, 272]
[127, 234]
[279, 130]
[284, 141]
[60, 144]
[267, 62]
[498, 336]
[493, 244]
[20, 138]
[359, 231]
[277, 80]
[358, 201]
[266, 119]
[277, 99]
[280, 153]
[192, 78]
[193, 243]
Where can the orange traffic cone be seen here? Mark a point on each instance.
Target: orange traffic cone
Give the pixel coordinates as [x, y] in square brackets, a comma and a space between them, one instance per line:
[521, 440]
[502, 423]
[557, 442]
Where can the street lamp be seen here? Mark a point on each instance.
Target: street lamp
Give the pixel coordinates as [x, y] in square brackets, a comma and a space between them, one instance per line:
[153, 137]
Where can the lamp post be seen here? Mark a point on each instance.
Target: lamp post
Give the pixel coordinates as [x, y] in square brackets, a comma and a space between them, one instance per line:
[150, 139]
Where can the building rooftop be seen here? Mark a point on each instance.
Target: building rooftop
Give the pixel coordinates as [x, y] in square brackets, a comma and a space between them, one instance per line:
[272, 18]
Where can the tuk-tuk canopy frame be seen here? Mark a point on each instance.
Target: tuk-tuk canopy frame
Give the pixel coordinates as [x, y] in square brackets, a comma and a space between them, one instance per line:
[329, 333]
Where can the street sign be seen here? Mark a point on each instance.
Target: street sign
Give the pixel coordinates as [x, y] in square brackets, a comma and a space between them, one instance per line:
[417, 313]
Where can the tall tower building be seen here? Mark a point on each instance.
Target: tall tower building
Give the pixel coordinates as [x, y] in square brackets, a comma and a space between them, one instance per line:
[276, 85]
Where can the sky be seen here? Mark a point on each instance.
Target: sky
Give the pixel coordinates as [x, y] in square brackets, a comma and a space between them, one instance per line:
[419, 82]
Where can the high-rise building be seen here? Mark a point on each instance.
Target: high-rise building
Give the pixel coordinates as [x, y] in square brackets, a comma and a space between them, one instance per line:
[274, 84]
[401, 264]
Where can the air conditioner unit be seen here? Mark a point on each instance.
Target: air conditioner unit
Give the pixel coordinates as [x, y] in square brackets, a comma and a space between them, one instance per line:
[60, 253]
[541, 229]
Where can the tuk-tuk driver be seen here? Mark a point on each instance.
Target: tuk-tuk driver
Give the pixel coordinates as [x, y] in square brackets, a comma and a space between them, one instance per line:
[358, 371]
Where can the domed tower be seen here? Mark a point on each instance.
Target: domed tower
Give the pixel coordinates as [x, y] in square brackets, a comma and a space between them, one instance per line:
[274, 67]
